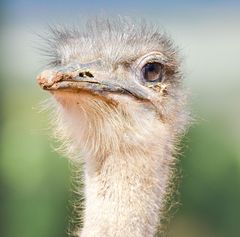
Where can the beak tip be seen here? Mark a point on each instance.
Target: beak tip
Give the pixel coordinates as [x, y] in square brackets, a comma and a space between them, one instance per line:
[47, 78]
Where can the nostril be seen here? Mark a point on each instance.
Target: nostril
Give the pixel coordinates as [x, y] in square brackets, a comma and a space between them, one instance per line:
[81, 74]
[85, 74]
[88, 74]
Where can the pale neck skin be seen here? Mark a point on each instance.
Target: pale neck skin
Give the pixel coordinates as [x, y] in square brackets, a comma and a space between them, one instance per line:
[126, 192]
[128, 165]
[126, 196]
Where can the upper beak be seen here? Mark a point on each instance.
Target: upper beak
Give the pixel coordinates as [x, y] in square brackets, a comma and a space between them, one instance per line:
[78, 77]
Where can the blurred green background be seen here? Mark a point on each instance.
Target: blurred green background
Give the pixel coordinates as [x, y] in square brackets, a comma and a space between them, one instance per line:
[35, 181]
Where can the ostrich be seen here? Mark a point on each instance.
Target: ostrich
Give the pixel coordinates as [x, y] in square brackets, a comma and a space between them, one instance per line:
[120, 108]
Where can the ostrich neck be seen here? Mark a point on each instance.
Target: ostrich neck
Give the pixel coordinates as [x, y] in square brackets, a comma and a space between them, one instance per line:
[125, 194]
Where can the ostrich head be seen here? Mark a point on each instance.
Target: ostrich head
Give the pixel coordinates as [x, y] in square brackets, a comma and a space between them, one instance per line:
[120, 109]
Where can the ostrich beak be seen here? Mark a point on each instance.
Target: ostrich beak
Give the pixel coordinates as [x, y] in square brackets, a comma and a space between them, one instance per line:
[78, 77]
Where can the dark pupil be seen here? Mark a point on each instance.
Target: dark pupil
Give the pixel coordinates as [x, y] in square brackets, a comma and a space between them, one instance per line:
[152, 72]
[151, 67]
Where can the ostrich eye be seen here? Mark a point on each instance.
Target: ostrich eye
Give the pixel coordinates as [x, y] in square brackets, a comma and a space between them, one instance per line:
[152, 72]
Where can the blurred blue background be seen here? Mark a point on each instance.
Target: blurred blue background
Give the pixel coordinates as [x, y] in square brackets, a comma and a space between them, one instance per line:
[35, 181]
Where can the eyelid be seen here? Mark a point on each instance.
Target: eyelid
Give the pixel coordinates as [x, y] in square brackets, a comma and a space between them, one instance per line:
[151, 58]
